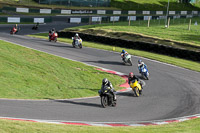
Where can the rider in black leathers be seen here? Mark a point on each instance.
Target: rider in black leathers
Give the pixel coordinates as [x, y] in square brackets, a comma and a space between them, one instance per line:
[105, 85]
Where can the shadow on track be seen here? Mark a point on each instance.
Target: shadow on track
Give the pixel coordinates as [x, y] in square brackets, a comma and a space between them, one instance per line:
[79, 103]
[107, 62]
[129, 94]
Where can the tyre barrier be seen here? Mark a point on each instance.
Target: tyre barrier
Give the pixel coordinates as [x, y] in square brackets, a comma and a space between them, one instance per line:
[146, 46]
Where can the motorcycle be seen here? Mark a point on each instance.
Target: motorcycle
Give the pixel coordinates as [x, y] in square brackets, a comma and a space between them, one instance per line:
[77, 42]
[35, 27]
[53, 37]
[106, 96]
[145, 73]
[127, 59]
[136, 87]
[13, 31]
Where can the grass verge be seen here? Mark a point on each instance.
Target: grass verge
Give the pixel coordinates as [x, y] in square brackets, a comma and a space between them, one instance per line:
[167, 59]
[9, 126]
[30, 74]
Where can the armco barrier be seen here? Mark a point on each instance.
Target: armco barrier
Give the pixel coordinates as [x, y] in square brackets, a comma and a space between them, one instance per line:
[151, 47]
[28, 19]
[3, 19]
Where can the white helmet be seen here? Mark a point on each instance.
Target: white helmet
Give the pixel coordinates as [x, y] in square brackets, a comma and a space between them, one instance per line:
[76, 34]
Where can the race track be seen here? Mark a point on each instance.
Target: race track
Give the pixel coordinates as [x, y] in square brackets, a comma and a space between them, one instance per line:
[171, 91]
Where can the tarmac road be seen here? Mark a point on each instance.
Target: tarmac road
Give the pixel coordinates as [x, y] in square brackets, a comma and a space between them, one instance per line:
[171, 91]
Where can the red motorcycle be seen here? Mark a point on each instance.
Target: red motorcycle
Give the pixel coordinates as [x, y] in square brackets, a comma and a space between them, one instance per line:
[13, 31]
[53, 37]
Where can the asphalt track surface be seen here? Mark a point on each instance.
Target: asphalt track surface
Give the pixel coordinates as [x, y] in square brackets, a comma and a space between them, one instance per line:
[171, 92]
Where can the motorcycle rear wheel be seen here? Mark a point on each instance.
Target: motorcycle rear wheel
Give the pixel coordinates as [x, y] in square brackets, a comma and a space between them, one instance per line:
[114, 103]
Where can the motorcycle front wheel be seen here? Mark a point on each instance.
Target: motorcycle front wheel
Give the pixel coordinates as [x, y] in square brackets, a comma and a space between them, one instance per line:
[80, 45]
[55, 40]
[137, 92]
[104, 101]
[130, 62]
[73, 45]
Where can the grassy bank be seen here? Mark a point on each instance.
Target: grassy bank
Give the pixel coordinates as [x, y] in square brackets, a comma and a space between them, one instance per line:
[8, 126]
[174, 35]
[171, 60]
[33, 4]
[29, 74]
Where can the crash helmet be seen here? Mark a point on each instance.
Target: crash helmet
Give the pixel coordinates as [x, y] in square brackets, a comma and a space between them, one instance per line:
[105, 81]
[123, 51]
[53, 29]
[139, 61]
[76, 35]
[131, 74]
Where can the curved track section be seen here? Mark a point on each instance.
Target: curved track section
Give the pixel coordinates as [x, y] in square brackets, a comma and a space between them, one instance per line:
[171, 92]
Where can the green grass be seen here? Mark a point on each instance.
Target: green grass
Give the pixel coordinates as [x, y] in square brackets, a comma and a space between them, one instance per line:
[167, 59]
[177, 32]
[29, 74]
[115, 4]
[33, 4]
[9, 126]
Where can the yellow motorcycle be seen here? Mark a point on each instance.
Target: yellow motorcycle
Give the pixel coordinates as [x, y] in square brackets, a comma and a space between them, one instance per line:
[136, 87]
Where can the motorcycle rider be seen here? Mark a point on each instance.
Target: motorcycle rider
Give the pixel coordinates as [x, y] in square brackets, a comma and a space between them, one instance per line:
[75, 37]
[140, 65]
[105, 85]
[15, 28]
[51, 32]
[133, 77]
[123, 54]
[36, 25]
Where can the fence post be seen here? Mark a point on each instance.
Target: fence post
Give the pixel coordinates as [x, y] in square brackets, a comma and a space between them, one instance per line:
[129, 22]
[113, 19]
[149, 21]
[90, 20]
[100, 20]
[189, 26]
[168, 22]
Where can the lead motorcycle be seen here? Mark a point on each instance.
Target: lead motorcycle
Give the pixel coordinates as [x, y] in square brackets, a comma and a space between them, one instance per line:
[106, 96]
[127, 59]
[77, 42]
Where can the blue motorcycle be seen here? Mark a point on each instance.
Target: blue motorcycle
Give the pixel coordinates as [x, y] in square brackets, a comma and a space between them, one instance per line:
[144, 72]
